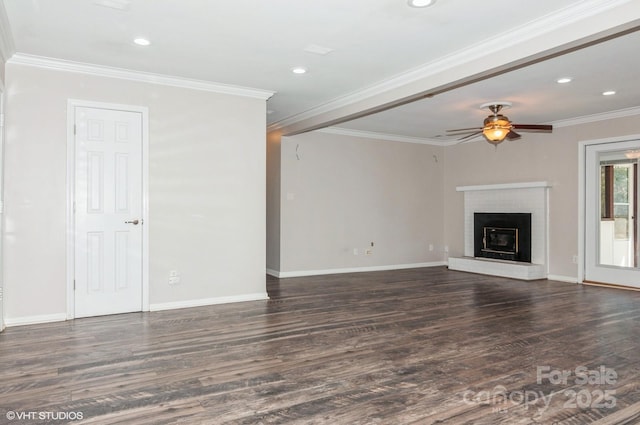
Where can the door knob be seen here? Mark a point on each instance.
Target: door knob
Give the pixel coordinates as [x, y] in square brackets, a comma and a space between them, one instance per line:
[134, 222]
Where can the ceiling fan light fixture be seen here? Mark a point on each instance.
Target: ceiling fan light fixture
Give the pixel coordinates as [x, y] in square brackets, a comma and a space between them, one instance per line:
[496, 128]
[495, 134]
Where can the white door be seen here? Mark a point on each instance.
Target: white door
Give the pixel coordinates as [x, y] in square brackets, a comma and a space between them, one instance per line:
[611, 194]
[108, 211]
[1, 203]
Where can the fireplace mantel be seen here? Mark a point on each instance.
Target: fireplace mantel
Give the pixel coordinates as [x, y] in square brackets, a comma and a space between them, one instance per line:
[526, 185]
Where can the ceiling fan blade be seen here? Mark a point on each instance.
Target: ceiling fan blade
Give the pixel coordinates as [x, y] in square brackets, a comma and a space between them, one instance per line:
[542, 128]
[470, 136]
[463, 129]
[512, 135]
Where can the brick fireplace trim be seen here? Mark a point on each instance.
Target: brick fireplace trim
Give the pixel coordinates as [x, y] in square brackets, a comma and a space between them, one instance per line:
[527, 197]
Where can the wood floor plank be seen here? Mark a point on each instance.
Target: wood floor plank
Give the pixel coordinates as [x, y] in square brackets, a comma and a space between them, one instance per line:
[417, 346]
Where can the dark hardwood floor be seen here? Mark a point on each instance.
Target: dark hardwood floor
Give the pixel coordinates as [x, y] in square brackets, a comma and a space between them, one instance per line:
[420, 346]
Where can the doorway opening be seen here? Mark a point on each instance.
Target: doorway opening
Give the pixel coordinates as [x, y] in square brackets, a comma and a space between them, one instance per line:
[608, 222]
[618, 212]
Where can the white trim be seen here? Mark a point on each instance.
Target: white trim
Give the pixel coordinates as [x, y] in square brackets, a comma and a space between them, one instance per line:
[144, 112]
[560, 278]
[2, 224]
[620, 113]
[582, 180]
[144, 77]
[71, 177]
[486, 48]
[272, 272]
[7, 47]
[302, 273]
[384, 136]
[526, 185]
[547, 237]
[34, 320]
[259, 296]
[146, 223]
[621, 275]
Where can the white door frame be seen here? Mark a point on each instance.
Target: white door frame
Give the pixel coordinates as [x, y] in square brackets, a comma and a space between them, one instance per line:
[2, 109]
[582, 187]
[144, 111]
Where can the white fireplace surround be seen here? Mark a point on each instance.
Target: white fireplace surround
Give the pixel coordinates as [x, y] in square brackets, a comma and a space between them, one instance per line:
[529, 197]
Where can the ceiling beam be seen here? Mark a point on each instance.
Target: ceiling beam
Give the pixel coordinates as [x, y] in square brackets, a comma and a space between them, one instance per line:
[573, 28]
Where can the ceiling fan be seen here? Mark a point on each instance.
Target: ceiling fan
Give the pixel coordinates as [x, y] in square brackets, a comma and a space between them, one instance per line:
[497, 127]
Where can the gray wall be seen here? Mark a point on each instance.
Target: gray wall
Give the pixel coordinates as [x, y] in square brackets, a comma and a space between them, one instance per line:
[340, 193]
[345, 192]
[207, 189]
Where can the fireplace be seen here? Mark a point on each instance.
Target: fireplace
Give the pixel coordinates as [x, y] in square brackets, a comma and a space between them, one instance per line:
[503, 236]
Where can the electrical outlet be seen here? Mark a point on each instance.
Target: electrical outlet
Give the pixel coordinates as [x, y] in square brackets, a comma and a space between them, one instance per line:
[575, 259]
[355, 251]
[174, 277]
[430, 247]
[368, 252]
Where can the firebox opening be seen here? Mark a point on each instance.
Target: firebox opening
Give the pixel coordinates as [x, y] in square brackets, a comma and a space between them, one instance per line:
[504, 236]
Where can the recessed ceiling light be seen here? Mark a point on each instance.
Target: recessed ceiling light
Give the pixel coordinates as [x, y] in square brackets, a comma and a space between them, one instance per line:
[299, 70]
[563, 80]
[421, 3]
[141, 41]
[608, 93]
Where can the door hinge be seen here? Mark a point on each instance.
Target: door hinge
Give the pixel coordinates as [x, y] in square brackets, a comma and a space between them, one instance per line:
[74, 284]
[74, 129]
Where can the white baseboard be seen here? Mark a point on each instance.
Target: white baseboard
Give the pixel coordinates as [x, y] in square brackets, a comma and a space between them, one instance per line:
[34, 320]
[302, 273]
[560, 278]
[208, 301]
[61, 317]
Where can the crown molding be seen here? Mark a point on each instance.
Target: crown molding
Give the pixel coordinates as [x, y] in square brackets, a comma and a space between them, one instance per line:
[144, 77]
[7, 48]
[586, 119]
[620, 113]
[483, 49]
[381, 136]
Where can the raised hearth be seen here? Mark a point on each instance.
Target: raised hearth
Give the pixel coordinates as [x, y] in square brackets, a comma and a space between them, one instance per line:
[512, 269]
